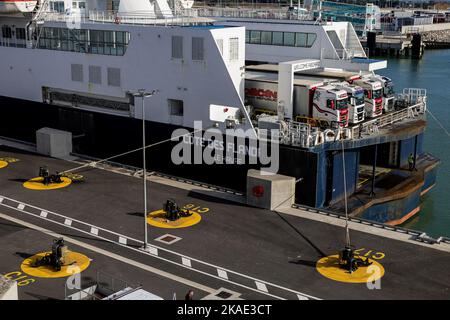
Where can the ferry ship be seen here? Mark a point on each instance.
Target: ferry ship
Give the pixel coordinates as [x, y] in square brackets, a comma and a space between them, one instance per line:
[77, 65]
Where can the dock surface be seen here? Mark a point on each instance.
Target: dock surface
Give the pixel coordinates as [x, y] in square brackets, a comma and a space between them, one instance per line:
[249, 252]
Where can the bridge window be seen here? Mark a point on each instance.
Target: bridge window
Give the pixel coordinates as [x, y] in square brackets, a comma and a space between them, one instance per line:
[289, 39]
[85, 41]
[20, 33]
[255, 37]
[266, 37]
[279, 38]
[6, 32]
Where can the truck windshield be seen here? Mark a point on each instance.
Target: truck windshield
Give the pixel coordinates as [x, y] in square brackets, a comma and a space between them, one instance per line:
[376, 94]
[341, 104]
[359, 98]
[389, 90]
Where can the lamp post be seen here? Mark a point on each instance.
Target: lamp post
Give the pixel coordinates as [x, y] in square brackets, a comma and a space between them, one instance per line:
[144, 94]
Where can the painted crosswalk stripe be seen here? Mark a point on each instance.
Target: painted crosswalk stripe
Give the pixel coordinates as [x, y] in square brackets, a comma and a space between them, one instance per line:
[186, 262]
[222, 274]
[261, 286]
[21, 206]
[44, 214]
[68, 222]
[122, 240]
[300, 297]
[94, 231]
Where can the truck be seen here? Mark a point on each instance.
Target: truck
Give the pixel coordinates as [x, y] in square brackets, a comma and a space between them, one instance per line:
[370, 83]
[388, 91]
[373, 96]
[356, 102]
[312, 99]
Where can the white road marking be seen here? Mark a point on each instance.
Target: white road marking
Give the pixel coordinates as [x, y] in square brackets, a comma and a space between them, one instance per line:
[221, 273]
[122, 240]
[114, 256]
[44, 214]
[300, 297]
[123, 237]
[21, 206]
[68, 222]
[94, 231]
[261, 286]
[186, 262]
[1, 200]
[152, 250]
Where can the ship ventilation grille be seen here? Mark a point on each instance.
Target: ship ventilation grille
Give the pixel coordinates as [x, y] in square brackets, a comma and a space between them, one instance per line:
[114, 77]
[77, 72]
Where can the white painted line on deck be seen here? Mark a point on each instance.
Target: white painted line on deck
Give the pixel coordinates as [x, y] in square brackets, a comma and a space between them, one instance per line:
[94, 231]
[68, 222]
[123, 242]
[1, 200]
[44, 214]
[152, 250]
[222, 273]
[300, 297]
[186, 262]
[21, 206]
[187, 282]
[261, 286]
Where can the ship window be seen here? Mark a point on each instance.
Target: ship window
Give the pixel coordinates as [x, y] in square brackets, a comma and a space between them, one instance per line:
[266, 37]
[175, 107]
[20, 33]
[255, 37]
[247, 36]
[77, 72]
[300, 39]
[289, 39]
[197, 48]
[234, 49]
[277, 38]
[311, 39]
[6, 32]
[95, 74]
[114, 77]
[100, 42]
[177, 47]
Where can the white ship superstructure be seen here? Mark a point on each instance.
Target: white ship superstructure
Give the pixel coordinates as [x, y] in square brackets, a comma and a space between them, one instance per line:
[77, 66]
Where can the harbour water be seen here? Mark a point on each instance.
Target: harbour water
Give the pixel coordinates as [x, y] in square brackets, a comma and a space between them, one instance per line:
[432, 72]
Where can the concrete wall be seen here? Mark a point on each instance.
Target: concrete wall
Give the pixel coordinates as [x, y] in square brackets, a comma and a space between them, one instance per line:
[426, 27]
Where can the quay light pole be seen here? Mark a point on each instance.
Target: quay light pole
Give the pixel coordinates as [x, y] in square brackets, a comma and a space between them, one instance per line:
[143, 95]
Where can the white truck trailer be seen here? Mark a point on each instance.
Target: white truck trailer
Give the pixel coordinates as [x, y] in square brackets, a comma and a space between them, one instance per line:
[313, 98]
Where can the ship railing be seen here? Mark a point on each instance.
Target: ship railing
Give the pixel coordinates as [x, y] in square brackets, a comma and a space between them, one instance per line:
[133, 18]
[372, 126]
[245, 13]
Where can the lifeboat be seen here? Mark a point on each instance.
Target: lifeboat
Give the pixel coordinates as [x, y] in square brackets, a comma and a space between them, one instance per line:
[17, 6]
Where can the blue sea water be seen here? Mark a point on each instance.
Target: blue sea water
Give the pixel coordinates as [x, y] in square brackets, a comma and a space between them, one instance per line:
[432, 72]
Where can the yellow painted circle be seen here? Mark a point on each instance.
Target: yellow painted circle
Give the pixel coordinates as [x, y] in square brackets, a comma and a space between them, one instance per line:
[36, 184]
[3, 164]
[329, 267]
[76, 263]
[156, 219]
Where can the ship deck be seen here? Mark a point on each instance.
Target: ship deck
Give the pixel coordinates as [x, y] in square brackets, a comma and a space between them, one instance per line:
[252, 253]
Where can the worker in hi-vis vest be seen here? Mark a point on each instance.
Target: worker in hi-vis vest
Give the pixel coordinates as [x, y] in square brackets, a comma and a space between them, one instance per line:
[411, 162]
